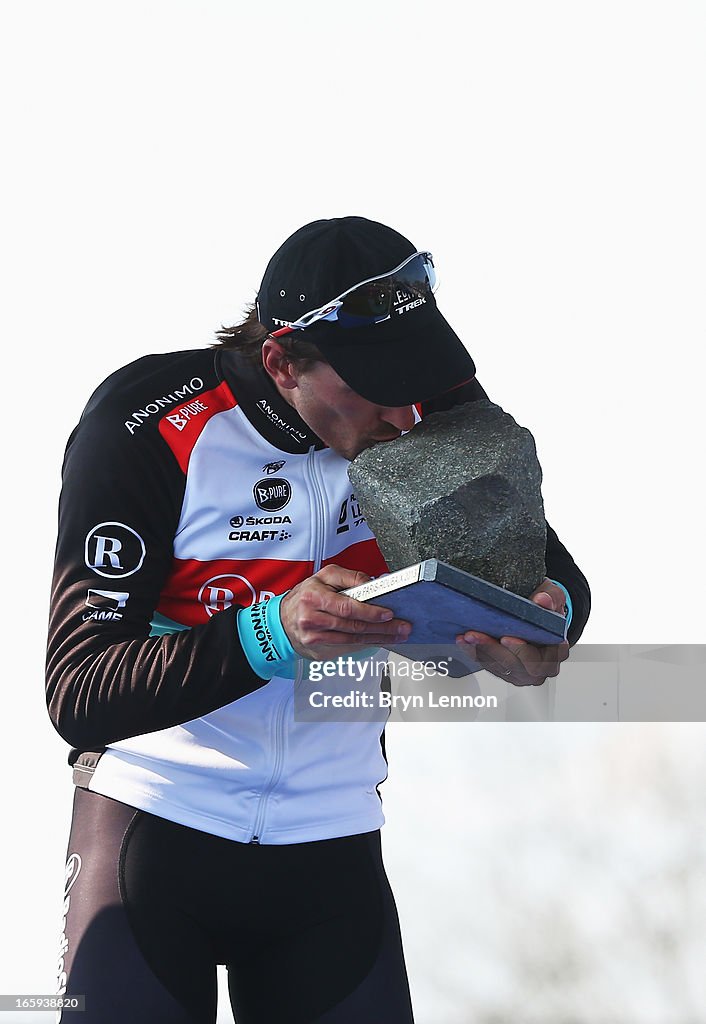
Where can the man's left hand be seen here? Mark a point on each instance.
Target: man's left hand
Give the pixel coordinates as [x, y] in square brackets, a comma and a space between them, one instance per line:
[521, 663]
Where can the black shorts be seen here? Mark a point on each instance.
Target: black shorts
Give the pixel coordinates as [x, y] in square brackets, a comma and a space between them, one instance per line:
[308, 932]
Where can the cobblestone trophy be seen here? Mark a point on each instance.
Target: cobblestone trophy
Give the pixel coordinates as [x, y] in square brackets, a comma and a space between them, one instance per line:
[456, 507]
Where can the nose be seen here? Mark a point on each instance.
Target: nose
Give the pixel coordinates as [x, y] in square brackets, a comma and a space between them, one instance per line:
[400, 417]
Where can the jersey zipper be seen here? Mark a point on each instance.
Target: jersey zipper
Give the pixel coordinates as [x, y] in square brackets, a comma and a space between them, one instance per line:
[276, 769]
[319, 516]
[319, 540]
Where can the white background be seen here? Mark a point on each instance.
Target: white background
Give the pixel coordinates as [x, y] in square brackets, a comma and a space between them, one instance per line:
[551, 156]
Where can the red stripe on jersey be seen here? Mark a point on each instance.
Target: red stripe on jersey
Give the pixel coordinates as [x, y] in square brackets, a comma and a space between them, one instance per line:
[195, 590]
[182, 427]
[365, 555]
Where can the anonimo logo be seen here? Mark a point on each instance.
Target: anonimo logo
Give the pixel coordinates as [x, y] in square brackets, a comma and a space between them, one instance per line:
[157, 405]
[273, 494]
[274, 417]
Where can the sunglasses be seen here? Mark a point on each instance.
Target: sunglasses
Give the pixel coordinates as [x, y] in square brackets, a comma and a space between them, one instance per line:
[376, 299]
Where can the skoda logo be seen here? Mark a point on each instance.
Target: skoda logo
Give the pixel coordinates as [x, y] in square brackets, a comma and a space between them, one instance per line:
[273, 494]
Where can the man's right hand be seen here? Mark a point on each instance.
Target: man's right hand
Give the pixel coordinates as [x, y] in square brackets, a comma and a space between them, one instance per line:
[322, 623]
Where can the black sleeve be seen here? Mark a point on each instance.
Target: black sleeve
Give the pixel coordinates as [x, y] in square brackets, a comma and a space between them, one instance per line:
[107, 679]
[560, 566]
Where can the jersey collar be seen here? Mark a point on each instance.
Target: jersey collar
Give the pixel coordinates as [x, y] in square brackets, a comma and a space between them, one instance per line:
[264, 407]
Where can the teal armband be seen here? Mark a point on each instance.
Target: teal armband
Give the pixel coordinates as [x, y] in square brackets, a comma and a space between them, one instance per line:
[265, 643]
[567, 599]
[267, 646]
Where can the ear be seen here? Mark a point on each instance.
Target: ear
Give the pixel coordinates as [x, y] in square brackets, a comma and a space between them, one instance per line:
[278, 364]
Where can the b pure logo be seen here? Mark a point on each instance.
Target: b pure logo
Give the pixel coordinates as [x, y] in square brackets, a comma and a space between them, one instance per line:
[73, 867]
[220, 592]
[273, 494]
[181, 417]
[114, 550]
[157, 405]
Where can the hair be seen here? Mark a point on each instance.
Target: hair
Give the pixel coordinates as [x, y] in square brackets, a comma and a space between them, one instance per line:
[249, 335]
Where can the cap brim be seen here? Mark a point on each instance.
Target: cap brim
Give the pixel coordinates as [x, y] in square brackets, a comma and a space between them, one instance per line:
[397, 363]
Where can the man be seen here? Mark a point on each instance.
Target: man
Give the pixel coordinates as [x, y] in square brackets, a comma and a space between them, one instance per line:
[200, 552]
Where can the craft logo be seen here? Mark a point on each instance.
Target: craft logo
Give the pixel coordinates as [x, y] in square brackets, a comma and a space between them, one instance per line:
[272, 495]
[237, 522]
[273, 467]
[114, 550]
[243, 535]
[106, 605]
[220, 592]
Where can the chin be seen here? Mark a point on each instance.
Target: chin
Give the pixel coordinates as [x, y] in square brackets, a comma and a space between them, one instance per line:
[351, 451]
[354, 453]
[345, 453]
[374, 442]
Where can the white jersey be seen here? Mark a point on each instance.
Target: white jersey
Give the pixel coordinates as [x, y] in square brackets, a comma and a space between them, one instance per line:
[191, 489]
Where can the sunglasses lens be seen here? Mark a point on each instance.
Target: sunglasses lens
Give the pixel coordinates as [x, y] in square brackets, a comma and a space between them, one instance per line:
[414, 282]
[376, 300]
[370, 300]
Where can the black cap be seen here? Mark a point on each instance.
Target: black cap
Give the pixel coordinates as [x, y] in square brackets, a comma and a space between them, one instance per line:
[394, 363]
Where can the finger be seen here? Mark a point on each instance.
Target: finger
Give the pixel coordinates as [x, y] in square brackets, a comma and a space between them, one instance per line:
[395, 629]
[343, 607]
[533, 663]
[348, 642]
[556, 595]
[347, 607]
[495, 658]
[339, 578]
[560, 652]
[490, 650]
[321, 597]
[550, 655]
[510, 658]
[474, 636]
[540, 662]
[323, 620]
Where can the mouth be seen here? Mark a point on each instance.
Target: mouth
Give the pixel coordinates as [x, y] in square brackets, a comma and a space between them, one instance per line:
[373, 442]
[390, 437]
